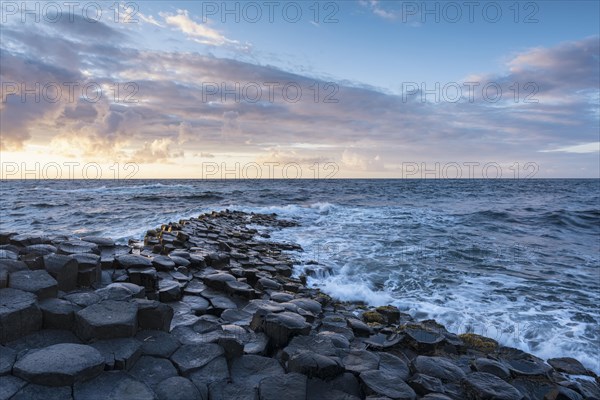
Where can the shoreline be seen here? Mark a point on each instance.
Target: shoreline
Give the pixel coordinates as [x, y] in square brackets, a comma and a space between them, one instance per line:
[207, 286]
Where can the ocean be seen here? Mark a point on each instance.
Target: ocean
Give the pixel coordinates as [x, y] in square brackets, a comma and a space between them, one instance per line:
[515, 260]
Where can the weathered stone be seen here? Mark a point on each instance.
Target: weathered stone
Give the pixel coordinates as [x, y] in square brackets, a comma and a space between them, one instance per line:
[569, 365]
[481, 385]
[9, 255]
[121, 291]
[144, 277]
[282, 297]
[393, 365]
[308, 305]
[240, 289]
[83, 299]
[7, 359]
[230, 391]
[382, 341]
[59, 365]
[380, 383]
[492, 367]
[99, 241]
[113, 385]
[157, 343]
[338, 340]
[37, 249]
[251, 369]
[107, 320]
[3, 278]
[198, 304]
[177, 388]
[236, 316]
[40, 392]
[89, 269]
[43, 338]
[267, 284]
[12, 265]
[318, 344]
[169, 291]
[342, 387]
[153, 314]
[391, 313]
[424, 384]
[23, 240]
[189, 358]
[19, 314]
[38, 282]
[438, 367]
[218, 281]
[77, 246]
[58, 313]
[315, 365]
[213, 372]
[358, 361]
[163, 263]
[359, 328]
[127, 261]
[119, 353]
[257, 345]
[281, 327]
[562, 393]
[421, 339]
[64, 269]
[220, 304]
[153, 370]
[9, 385]
[292, 385]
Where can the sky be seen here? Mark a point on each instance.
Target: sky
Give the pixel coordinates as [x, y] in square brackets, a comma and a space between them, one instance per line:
[284, 89]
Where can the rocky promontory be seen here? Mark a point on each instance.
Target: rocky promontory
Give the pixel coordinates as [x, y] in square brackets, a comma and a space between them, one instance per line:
[209, 308]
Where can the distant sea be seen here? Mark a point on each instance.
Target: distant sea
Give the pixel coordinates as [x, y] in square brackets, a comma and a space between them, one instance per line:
[515, 260]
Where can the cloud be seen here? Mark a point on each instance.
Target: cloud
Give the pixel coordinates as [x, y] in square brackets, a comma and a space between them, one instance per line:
[200, 33]
[593, 147]
[375, 7]
[366, 130]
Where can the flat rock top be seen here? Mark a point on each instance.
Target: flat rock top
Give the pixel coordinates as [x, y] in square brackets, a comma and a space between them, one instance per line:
[31, 280]
[14, 299]
[109, 312]
[60, 364]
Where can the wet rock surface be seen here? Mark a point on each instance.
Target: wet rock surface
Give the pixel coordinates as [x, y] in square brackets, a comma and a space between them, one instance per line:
[204, 309]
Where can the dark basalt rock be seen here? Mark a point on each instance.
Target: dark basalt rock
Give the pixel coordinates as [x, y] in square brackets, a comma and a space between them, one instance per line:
[77, 246]
[38, 282]
[315, 365]
[292, 386]
[424, 384]
[214, 372]
[153, 370]
[157, 343]
[189, 358]
[492, 367]
[153, 314]
[380, 383]
[7, 359]
[19, 314]
[40, 392]
[127, 261]
[481, 385]
[358, 361]
[121, 353]
[64, 269]
[113, 385]
[177, 388]
[239, 321]
[250, 370]
[59, 365]
[438, 367]
[9, 385]
[58, 313]
[569, 366]
[107, 320]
